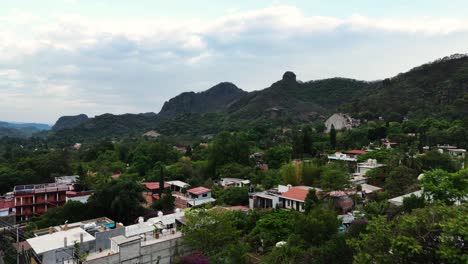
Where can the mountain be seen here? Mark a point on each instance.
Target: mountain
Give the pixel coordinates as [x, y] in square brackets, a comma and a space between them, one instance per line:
[437, 89]
[67, 122]
[25, 125]
[214, 100]
[290, 99]
[106, 125]
[21, 130]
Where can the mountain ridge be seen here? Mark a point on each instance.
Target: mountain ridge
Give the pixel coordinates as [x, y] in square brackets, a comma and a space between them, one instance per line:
[436, 88]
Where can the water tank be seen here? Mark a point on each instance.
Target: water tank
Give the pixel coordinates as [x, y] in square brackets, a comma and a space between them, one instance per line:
[141, 220]
[160, 214]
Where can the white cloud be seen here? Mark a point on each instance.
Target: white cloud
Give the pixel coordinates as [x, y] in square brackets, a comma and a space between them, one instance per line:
[71, 64]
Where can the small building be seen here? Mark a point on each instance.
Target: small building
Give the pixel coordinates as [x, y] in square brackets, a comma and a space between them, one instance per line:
[233, 182]
[294, 198]
[457, 154]
[193, 197]
[82, 196]
[364, 167]
[178, 186]
[398, 201]
[156, 240]
[7, 205]
[263, 200]
[338, 156]
[283, 197]
[153, 187]
[35, 199]
[69, 180]
[57, 244]
[151, 192]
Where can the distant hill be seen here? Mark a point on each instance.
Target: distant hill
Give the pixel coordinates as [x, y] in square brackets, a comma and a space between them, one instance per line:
[214, 100]
[67, 122]
[21, 130]
[439, 89]
[25, 125]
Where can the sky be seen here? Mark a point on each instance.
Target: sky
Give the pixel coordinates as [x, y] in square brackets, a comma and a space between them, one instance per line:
[66, 57]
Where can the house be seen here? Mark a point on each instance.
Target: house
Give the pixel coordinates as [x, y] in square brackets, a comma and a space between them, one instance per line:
[364, 167]
[57, 244]
[457, 154]
[198, 196]
[156, 240]
[285, 196]
[341, 121]
[264, 200]
[82, 196]
[338, 156]
[153, 187]
[180, 149]
[354, 153]
[193, 197]
[294, 198]
[116, 175]
[35, 199]
[398, 201]
[151, 192]
[7, 205]
[233, 182]
[178, 186]
[69, 180]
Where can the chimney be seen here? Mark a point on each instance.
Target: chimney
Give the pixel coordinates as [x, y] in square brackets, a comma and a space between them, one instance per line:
[81, 238]
[65, 241]
[65, 227]
[51, 230]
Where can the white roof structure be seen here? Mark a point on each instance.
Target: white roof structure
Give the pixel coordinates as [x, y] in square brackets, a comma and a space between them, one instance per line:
[119, 240]
[56, 240]
[227, 181]
[341, 156]
[66, 179]
[149, 225]
[180, 184]
[195, 202]
[398, 201]
[370, 188]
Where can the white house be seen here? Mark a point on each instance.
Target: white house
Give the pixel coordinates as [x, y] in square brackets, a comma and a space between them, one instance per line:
[233, 182]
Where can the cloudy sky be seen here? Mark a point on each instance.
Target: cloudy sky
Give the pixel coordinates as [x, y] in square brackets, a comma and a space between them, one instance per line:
[65, 57]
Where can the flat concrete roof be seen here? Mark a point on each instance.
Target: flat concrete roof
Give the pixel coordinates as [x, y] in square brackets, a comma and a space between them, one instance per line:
[119, 240]
[45, 243]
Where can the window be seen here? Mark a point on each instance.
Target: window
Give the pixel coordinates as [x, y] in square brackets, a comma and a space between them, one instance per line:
[205, 195]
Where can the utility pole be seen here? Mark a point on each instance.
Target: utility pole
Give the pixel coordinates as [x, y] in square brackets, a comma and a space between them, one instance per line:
[17, 245]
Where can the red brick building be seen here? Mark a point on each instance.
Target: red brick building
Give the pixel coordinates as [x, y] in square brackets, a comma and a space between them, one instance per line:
[31, 200]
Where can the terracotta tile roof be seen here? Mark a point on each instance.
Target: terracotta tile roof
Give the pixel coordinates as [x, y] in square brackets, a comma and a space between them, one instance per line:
[356, 152]
[199, 190]
[116, 176]
[154, 185]
[296, 193]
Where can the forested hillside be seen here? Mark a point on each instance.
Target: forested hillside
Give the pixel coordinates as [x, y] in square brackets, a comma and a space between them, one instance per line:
[438, 89]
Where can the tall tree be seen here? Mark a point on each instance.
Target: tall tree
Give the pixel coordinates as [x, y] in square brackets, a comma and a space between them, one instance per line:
[161, 179]
[307, 140]
[333, 137]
